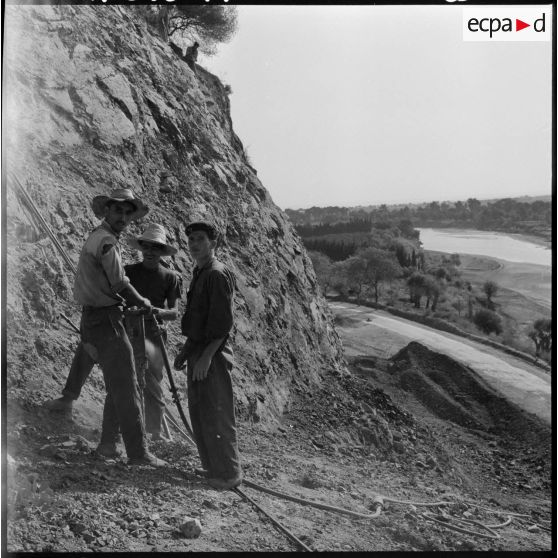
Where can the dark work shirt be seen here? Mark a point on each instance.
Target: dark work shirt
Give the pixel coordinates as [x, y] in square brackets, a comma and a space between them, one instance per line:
[158, 285]
[209, 303]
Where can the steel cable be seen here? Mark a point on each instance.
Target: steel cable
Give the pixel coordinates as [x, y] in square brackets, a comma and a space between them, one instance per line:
[327, 507]
[30, 204]
[273, 520]
[445, 521]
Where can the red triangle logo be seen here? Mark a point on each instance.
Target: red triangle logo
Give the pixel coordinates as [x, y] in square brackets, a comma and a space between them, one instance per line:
[519, 25]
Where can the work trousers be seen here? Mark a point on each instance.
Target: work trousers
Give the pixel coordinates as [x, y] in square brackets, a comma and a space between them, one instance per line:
[82, 365]
[211, 406]
[153, 392]
[103, 329]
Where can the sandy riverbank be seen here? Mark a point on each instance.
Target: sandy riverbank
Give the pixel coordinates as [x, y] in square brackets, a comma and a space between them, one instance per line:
[538, 240]
[531, 282]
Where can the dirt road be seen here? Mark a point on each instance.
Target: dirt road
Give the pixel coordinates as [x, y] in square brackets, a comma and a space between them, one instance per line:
[372, 332]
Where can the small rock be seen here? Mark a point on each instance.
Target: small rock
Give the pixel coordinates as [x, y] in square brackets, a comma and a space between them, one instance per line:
[210, 504]
[399, 447]
[431, 462]
[191, 528]
[77, 527]
[330, 435]
[88, 537]
[83, 443]
[533, 528]
[49, 450]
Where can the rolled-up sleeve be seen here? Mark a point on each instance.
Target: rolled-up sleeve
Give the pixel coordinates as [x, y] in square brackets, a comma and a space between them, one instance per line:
[112, 266]
[220, 313]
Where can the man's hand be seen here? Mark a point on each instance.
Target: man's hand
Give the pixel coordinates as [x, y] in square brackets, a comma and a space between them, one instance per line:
[146, 306]
[180, 359]
[201, 368]
[164, 314]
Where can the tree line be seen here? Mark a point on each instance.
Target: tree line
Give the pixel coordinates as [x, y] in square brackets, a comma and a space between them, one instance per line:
[507, 215]
[384, 270]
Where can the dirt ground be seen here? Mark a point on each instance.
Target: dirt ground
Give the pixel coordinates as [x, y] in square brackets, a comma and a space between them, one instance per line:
[418, 428]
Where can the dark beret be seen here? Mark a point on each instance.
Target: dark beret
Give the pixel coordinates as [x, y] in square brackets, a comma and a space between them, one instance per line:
[205, 226]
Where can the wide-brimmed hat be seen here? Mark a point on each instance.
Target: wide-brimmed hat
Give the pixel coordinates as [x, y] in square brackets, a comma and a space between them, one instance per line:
[206, 226]
[122, 195]
[156, 234]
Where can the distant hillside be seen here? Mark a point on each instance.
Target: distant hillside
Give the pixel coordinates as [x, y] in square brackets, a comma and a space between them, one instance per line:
[336, 214]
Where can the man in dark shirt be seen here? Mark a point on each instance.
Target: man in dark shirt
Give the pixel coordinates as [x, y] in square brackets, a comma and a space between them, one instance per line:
[159, 285]
[191, 56]
[206, 323]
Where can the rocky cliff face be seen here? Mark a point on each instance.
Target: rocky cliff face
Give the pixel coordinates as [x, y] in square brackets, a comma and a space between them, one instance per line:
[95, 100]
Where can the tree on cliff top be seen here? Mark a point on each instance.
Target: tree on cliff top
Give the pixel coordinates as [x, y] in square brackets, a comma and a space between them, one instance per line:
[209, 25]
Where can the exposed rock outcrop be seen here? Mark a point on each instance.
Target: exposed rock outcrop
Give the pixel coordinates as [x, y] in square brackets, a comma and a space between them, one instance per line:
[96, 101]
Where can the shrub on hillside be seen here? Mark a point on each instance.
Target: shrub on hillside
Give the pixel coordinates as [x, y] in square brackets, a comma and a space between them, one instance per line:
[488, 321]
[541, 334]
[490, 289]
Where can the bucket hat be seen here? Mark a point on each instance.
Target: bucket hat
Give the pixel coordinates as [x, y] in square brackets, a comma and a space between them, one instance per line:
[99, 203]
[155, 234]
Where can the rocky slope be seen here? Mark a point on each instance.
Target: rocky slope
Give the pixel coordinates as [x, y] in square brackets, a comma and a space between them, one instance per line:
[95, 100]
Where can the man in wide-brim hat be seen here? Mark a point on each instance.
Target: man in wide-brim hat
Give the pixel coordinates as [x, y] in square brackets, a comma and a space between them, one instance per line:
[162, 287]
[99, 203]
[101, 287]
[154, 235]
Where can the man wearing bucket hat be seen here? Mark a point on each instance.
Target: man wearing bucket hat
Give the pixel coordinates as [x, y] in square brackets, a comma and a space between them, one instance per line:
[101, 287]
[206, 323]
[160, 285]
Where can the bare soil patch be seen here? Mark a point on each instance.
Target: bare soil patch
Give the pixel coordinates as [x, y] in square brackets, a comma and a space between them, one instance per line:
[454, 392]
[356, 437]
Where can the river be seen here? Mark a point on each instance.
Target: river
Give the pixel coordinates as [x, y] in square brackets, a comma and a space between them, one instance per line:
[484, 243]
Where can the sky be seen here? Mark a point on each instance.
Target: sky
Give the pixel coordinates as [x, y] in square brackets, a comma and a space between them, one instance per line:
[364, 105]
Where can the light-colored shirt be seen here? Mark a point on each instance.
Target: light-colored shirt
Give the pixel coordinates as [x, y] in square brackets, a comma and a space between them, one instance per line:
[100, 274]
